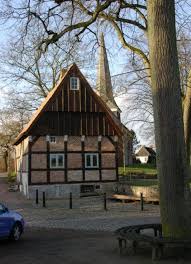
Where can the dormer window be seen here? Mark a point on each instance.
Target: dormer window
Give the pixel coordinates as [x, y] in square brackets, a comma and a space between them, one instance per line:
[74, 83]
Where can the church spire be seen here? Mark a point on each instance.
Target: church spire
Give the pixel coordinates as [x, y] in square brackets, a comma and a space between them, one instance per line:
[104, 86]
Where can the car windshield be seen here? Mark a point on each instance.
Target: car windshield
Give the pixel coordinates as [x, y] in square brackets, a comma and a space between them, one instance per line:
[2, 209]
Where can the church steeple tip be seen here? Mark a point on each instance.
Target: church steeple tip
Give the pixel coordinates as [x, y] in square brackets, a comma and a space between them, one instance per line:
[104, 85]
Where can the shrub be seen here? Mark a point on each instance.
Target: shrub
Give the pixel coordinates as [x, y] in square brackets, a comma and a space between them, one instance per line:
[12, 177]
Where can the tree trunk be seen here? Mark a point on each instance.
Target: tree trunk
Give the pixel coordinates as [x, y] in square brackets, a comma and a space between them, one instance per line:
[168, 118]
[187, 117]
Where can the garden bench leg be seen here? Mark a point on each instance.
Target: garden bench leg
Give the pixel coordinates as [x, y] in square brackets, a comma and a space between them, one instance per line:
[160, 251]
[160, 232]
[155, 232]
[122, 245]
[154, 252]
[157, 252]
[134, 245]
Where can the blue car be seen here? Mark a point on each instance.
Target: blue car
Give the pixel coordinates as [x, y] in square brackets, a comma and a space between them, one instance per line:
[11, 224]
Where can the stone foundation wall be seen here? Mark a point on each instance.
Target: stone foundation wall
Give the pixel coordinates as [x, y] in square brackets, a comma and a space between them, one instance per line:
[56, 191]
[148, 191]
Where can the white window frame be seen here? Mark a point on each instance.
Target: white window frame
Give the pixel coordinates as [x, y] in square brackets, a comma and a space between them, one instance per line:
[91, 160]
[53, 139]
[78, 83]
[57, 155]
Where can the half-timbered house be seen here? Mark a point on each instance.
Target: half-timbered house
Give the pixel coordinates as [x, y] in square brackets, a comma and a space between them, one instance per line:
[75, 141]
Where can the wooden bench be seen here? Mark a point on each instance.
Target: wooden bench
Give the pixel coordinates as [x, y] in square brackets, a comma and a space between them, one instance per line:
[157, 242]
[124, 197]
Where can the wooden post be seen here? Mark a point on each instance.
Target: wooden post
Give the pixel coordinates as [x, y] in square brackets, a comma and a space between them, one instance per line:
[29, 162]
[43, 200]
[66, 158]
[105, 201]
[142, 202]
[36, 196]
[100, 157]
[117, 157]
[48, 160]
[70, 200]
[83, 156]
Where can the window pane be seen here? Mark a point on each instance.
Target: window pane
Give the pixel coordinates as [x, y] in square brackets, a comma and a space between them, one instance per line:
[88, 160]
[60, 161]
[53, 161]
[74, 83]
[95, 161]
[53, 139]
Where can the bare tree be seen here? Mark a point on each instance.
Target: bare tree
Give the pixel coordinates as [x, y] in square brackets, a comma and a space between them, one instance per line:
[26, 76]
[135, 88]
[128, 20]
[10, 125]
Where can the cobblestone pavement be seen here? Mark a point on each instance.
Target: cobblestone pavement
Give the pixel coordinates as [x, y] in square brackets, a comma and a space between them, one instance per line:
[87, 213]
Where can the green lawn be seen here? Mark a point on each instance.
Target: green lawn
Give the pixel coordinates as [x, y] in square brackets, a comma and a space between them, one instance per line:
[140, 182]
[139, 175]
[11, 178]
[146, 169]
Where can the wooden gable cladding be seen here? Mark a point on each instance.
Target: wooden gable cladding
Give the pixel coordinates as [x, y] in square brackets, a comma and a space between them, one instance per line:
[63, 100]
[67, 100]
[73, 124]
[74, 112]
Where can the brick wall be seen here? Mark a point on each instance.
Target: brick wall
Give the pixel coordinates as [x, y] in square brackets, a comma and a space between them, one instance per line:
[108, 160]
[108, 175]
[58, 145]
[38, 176]
[106, 145]
[74, 143]
[75, 175]
[74, 160]
[91, 144]
[38, 161]
[92, 175]
[40, 144]
[57, 176]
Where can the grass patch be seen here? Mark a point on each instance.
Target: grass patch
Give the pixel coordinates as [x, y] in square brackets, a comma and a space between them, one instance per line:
[12, 177]
[142, 183]
[138, 169]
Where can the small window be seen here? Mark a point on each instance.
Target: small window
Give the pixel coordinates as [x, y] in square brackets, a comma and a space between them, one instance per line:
[91, 160]
[52, 139]
[87, 188]
[56, 161]
[74, 83]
